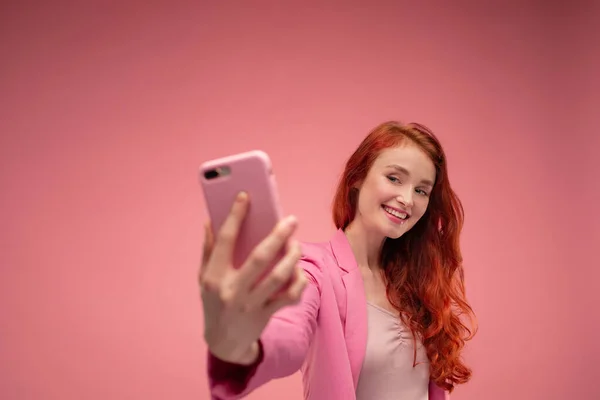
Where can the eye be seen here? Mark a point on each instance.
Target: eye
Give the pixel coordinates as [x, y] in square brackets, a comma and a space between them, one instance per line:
[422, 192]
[393, 179]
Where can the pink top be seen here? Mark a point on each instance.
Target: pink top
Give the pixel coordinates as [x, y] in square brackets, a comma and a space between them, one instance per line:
[387, 371]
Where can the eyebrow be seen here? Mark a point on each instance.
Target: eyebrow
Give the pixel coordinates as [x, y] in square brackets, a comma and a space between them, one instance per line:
[405, 172]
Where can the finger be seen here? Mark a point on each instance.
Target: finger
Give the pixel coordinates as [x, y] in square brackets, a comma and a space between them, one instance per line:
[291, 296]
[207, 247]
[263, 255]
[281, 275]
[224, 245]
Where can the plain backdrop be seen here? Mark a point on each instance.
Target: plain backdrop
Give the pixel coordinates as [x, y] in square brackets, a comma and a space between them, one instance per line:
[108, 108]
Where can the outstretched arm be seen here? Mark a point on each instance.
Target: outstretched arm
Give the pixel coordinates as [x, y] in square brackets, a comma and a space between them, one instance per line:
[283, 345]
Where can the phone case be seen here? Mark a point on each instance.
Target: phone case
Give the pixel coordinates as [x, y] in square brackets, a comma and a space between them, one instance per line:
[250, 172]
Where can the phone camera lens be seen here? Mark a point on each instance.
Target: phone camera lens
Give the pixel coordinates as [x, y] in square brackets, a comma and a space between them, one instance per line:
[211, 174]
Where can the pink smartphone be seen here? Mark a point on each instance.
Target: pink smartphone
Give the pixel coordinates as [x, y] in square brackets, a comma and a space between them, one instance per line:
[222, 179]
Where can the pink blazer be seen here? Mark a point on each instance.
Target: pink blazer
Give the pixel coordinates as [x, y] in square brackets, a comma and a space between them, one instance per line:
[324, 336]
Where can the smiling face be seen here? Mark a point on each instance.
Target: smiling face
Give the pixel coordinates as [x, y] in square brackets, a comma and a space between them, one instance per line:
[395, 193]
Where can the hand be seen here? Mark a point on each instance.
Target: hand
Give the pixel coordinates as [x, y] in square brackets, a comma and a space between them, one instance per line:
[237, 304]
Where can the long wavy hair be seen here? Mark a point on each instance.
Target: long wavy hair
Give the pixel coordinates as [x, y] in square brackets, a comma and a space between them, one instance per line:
[422, 269]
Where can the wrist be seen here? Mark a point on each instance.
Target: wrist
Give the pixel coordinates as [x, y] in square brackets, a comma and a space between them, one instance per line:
[243, 358]
[251, 355]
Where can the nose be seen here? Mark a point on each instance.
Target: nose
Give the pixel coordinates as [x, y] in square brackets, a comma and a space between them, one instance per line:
[405, 197]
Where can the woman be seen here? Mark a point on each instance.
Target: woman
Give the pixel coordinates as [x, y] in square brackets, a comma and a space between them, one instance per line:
[374, 313]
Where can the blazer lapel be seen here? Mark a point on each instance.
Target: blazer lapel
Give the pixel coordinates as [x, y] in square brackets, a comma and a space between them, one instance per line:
[355, 327]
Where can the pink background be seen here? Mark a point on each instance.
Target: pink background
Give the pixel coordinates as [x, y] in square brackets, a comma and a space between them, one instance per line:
[108, 109]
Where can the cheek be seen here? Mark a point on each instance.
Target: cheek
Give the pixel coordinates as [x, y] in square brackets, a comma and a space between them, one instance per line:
[382, 192]
[421, 207]
[372, 193]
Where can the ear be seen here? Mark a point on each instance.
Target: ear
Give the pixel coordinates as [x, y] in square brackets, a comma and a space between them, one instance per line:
[353, 195]
[358, 185]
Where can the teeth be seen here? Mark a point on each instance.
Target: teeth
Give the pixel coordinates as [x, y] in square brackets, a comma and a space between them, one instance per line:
[396, 213]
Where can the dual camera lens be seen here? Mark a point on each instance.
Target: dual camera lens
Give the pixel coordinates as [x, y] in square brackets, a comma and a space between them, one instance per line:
[216, 173]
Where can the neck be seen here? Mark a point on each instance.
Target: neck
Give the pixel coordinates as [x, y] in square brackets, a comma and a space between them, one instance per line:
[366, 247]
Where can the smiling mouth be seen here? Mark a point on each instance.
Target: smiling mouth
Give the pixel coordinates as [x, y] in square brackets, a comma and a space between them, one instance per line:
[395, 213]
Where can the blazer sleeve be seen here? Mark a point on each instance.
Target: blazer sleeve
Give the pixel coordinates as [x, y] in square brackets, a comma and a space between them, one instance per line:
[284, 344]
[437, 393]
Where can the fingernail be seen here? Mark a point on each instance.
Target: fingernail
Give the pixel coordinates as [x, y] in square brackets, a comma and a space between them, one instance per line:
[242, 196]
[291, 221]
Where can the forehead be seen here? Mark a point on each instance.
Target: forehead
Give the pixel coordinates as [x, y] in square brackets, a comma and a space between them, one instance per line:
[410, 157]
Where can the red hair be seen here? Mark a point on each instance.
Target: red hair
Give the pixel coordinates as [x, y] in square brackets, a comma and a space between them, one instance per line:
[423, 268]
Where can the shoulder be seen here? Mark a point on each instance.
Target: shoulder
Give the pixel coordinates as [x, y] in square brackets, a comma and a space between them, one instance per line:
[318, 253]
[317, 259]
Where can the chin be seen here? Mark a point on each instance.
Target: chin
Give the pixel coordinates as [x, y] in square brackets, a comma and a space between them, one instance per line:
[395, 235]
[394, 232]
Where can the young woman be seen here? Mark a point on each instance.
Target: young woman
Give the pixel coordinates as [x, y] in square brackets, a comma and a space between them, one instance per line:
[375, 312]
